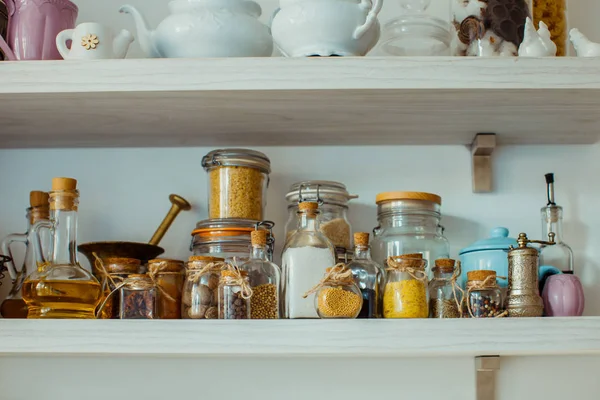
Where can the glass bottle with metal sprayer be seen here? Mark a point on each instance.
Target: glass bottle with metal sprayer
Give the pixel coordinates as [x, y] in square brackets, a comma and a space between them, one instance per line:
[60, 287]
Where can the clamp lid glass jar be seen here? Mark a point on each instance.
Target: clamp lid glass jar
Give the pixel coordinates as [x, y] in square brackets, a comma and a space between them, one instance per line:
[333, 198]
[237, 183]
[229, 238]
[409, 222]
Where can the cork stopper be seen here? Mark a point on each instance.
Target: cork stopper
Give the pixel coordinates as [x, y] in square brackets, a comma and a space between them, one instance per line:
[445, 264]
[38, 198]
[205, 259]
[361, 239]
[413, 256]
[308, 206]
[64, 184]
[480, 275]
[409, 260]
[259, 238]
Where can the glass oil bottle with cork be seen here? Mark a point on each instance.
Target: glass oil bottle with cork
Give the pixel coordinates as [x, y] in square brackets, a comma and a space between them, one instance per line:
[368, 275]
[264, 277]
[60, 287]
[14, 306]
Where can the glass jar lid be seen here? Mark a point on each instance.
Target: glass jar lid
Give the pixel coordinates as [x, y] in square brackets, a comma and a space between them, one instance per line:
[236, 158]
[323, 192]
[416, 33]
[498, 240]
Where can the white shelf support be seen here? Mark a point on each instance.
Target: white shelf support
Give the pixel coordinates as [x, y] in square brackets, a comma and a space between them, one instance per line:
[481, 160]
[485, 377]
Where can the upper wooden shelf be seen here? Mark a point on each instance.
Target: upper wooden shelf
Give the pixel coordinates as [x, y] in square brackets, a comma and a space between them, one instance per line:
[393, 338]
[308, 101]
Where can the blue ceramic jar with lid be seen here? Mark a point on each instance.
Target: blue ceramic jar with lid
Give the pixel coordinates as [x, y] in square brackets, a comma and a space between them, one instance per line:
[491, 254]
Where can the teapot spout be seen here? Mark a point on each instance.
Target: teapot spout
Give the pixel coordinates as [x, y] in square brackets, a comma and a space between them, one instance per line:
[121, 43]
[144, 35]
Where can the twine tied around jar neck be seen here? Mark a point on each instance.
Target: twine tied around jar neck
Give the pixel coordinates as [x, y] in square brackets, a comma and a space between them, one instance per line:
[194, 274]
[235, 278]
[488, 283]
[133, 282]
[106, 276]
[408, 265]
[156, 269]
[338, 275]
[455, 286]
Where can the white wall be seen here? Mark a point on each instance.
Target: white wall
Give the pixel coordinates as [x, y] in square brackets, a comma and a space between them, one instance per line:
[124, 197]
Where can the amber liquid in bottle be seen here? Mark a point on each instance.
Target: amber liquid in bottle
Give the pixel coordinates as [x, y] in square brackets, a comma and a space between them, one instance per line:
[62, 288]
[13, 308]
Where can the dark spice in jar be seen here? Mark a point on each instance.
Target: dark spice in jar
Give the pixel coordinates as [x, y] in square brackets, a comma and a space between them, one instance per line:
[484, 306]
[234, 306]
[235, 294]
[368, 309]
[168, 276]
[138, 298]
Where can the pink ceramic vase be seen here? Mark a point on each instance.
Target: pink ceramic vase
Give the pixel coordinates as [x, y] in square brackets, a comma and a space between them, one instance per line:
[563, 296]
[33, 26]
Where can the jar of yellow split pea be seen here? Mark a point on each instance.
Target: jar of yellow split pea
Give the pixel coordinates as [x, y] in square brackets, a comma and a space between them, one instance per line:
[237, 183]
[405, 292]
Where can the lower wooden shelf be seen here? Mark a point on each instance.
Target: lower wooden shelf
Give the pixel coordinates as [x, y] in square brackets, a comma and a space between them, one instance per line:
[389, 338]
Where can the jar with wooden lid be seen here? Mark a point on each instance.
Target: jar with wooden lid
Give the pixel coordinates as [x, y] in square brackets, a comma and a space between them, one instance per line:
[445, 296]
[200, 290]
[264, 277]
[483, 297]
[333, 199]
[409, 223]
[111, 273]
[235, 295]
[237, 183]
[405, 293]
[168, 276]
[337, 296]
[229, 238]
[138, 297]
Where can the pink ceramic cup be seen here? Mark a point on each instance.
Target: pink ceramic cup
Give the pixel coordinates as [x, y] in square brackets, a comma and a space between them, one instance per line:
[563, 296]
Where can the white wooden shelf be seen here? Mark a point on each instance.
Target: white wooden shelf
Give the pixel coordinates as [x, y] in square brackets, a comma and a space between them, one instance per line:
[309, 101]
[394, 338]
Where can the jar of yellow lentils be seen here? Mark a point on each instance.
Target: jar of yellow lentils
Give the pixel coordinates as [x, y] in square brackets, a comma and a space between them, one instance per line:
[337, 295]
[554, 14]
[237, 183]
[405, 292]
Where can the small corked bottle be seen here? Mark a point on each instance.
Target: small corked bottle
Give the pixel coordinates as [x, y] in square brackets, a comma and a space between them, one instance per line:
[445, 296]
[405, 293]
[235, 294]
[264, 277]
[483, 297]
[368, 275]
[337, 295]
[168, 275]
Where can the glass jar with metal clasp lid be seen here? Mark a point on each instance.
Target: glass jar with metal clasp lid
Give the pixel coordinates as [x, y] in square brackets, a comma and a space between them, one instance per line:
[333, 198]
[229, 238]
[409, 222]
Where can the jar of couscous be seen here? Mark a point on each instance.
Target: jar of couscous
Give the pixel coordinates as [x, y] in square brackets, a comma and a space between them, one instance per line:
[237, 183]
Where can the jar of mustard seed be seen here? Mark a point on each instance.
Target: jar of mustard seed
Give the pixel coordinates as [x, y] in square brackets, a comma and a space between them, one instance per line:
[237, 183]
[339, 296]
[200, 289]
[168, 276]
[405, 292]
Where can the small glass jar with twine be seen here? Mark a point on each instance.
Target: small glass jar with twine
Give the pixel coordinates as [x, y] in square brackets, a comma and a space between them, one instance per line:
[110, 273]
[445, 295]
[168, 276]
[405, 292]
[483, 296]
[235, 294]
[200, 297]
[138, 297]
[337, 295]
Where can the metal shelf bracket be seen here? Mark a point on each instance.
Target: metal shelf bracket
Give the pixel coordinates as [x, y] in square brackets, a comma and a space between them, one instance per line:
[485, 377]
[481, 160]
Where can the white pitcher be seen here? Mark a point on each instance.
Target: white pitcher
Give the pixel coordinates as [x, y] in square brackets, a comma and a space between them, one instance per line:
[92, 41]
[303, 28]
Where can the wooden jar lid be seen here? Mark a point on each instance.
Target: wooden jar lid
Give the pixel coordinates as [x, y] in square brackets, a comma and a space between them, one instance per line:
[391, 196]
[480, 275]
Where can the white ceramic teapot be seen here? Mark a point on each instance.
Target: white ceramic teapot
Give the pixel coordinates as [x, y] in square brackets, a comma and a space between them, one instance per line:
[92, 41]
[205, 28]
[326, 27]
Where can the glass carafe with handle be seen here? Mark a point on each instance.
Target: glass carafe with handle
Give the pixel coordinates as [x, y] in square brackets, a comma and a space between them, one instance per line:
[60, 287]
[14, 306]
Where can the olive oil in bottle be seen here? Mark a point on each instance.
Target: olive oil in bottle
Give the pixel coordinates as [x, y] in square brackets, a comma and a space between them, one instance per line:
[61, 288]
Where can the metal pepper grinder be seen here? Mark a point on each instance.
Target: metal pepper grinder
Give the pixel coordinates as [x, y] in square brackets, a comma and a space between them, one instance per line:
[524, 298]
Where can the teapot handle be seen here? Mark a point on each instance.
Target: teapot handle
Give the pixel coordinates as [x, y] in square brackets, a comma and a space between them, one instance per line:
[10, 239]
[375, 8]
[61, 42]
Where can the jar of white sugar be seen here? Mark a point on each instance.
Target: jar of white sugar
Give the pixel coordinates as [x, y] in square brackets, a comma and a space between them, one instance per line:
[306, 255]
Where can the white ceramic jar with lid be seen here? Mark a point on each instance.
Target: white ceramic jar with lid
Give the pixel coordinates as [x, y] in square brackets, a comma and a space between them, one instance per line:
[333, 198]
[409, 222]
